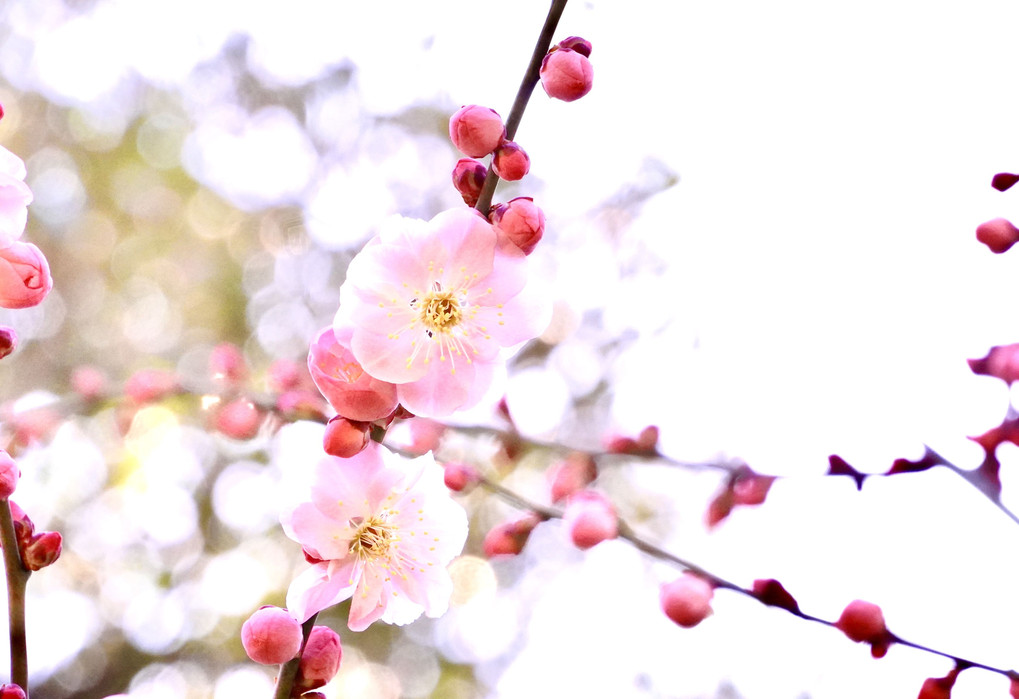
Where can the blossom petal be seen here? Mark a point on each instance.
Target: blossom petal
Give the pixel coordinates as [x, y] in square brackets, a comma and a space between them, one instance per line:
[316, 589]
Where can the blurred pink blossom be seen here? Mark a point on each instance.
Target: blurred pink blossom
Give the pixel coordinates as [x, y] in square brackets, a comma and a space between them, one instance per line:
[433, 304]
[15, 196]
[382, 530]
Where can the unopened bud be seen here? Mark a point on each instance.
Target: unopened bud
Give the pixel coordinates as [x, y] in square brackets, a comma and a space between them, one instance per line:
[476, 131]
[89, 383]
[509, 538]
[149, 385]
[227, 364]
[566, 74]
[8, 340]
[521, 221]
[9, 475]
[11, 691]
[511, 162]
[271, 636]
[42, 550]
[1004, 180]
[1002, 362]
[687, 599]
[939, 687]
[239, 419]
[459, 477]
[320, 660]
[468, 178]
[572, 475]
[590, 519]
[998, 234]
[345, 438]
[863, 622]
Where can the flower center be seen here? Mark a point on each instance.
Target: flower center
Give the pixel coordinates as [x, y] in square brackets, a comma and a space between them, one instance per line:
[440, 311]
[373, 537]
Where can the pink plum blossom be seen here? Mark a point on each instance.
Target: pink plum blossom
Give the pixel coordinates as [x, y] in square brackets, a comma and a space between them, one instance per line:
[352, 392]
[380, 531]
[24, 275]
[433, 304]
[15, 196]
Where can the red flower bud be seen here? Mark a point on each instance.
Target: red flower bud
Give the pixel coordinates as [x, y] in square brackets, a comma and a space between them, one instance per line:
[578, 44]
[509, 538]
[687, 599]
[42, 550]
[1004, 180]
[8, 340]
[476, 131]
[320, 660]
[863, 622]
[345, 438]
[468, 178]
[24, 276]
[511, 162]
[459, 477]
[11, 691]
[590, 519]
[998, 234]
[271, 636]
[566, 74]
[572, 475]
[521, 221]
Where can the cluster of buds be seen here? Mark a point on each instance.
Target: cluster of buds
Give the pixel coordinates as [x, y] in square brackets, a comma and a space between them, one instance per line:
[478, 132]
[271, 636]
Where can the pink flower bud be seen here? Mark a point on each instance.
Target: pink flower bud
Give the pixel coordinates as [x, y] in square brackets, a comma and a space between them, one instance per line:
[1001, 362]
[24, 275]
[509, 538]
[751, 489]
[566, 74]
[687, 599]
[590, 519]
[998, 234]
[8, 340]
[459, 477]
[521, 221]
[468, 178]
[1004, 180]
[511, 162]
[271, 636]
[1013, 688]
[11, 691]
[939, 687]
[284, 375]
[320, 660]
[148, 385]
[476, 131]
[572, 475]
[863, 622]
[345, 438]
[239, 419]
[646, 443]
[227, 364]
[351, 391]
[89, 383]
[9, 475]
[42, 550]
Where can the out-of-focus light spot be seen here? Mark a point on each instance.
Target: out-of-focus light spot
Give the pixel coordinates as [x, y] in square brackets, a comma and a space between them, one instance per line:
[58, 63]
[93, 132]
[154, 619]
[286, 328]
[233, 583]
[537, 399]
[416, 668]
[166, 513]
[257, 160]
[348, 205]
[580, 364]
[245, 497]
[160, 139]
[210, 217]
[480, 630]
[151, 324]
[159, 681]
[243, 681]
[472, 577]
[62, 624]
[359, 679]
[59, 194]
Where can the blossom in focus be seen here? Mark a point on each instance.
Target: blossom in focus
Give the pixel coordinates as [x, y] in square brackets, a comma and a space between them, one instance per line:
[381, 530]
[566, 74]
[15, 196]
[433, 304]
[24, 275]
[353, 393]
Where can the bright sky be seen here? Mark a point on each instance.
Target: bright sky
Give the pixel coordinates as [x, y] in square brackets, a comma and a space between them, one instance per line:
[820, 289]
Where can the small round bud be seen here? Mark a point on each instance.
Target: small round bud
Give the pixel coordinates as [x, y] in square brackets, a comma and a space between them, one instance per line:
[468, 178]
[863, 622]
[320, 660]
[8, 341]
[590, 519]
[239, 419]
[271, 636]
[998, 234]
[283, 375]
[9, 475]
[227, 364]
[566, 74]
[521, 221]
[509, 538]
[511, 162]
[89, 383]
[345, 438]
[11, 691]
[150, 385]
[459, 477]
[476, 131]
[687, 599]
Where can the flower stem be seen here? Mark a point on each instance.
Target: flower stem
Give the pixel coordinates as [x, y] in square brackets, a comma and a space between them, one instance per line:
[523, 95]
[17, 578]
[288, 670]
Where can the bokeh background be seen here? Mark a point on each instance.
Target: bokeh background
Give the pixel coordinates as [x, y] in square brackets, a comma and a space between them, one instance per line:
[760, 239]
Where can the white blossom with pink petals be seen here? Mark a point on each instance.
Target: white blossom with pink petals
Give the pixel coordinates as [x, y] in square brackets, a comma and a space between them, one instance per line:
[382, 530]
[432, 306]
